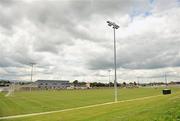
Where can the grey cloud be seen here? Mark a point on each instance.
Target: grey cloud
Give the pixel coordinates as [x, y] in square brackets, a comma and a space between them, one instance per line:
[100, 63]
[7, 2]
[11, 13]
[59, 15]
[141, 55]
[51, 29]
[105, 7]
[7, 62]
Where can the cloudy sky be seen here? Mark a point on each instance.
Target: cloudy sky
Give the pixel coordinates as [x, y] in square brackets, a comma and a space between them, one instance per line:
[70, 39]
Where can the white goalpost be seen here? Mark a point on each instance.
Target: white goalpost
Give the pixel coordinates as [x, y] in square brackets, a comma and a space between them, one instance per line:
[12, 88]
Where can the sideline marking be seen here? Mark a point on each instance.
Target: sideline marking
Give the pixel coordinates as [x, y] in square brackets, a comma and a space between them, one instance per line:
[70, 109]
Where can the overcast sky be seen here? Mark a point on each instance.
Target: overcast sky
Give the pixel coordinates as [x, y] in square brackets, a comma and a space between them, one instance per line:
[70, 39]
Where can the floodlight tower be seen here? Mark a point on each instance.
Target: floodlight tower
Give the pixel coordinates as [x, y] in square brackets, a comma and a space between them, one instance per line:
[165, 77]
[109, 76]
[32, 65]
[114, 26]
[138, 80]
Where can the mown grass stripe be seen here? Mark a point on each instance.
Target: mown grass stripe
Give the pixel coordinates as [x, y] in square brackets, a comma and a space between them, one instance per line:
[70, 109]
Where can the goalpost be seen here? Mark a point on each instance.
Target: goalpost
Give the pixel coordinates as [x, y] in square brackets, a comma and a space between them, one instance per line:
[12, 88]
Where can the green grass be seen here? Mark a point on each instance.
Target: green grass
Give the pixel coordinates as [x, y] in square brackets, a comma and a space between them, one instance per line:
[165, 108]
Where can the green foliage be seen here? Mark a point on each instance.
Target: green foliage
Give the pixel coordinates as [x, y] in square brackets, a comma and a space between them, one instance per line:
[4, 83]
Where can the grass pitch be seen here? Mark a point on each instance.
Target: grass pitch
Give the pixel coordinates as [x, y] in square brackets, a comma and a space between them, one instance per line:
[157, 108]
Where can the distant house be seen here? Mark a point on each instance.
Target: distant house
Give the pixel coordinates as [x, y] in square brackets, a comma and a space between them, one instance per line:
[52, 84]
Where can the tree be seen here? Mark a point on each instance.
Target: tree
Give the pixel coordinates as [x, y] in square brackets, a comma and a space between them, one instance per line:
[124, 84]
[75, 82]
[111, 84]
[130, 83]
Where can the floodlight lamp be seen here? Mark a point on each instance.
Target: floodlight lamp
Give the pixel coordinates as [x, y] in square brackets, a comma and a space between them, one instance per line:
[115, 26]
[109, 24]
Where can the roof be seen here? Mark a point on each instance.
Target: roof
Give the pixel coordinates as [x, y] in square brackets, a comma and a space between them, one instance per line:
[55, 81]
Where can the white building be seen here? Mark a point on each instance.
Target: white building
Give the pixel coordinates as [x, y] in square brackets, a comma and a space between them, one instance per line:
[53, 84]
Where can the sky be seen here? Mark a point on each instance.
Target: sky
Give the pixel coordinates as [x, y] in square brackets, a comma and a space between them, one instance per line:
[70, 40]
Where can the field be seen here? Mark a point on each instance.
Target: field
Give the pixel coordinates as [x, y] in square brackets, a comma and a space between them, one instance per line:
[156, 108]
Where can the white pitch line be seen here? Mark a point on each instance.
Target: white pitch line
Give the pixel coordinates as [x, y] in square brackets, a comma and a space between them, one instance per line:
[70, 109]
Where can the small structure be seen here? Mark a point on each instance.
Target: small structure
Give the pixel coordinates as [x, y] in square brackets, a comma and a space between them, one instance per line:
[29, 87]
[53, 84]
[88, 85]
[166, 91]
[4, 89]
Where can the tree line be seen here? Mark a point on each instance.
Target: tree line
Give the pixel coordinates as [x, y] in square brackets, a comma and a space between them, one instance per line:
[101, 84]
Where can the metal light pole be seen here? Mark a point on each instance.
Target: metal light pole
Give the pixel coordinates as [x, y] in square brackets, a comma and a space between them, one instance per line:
[32, 65]
[115, 26]
[138, 80]
[165, 77]
[109, 76]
